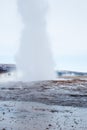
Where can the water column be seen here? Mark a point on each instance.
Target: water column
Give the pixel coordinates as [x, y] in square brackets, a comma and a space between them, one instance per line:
[34, 56]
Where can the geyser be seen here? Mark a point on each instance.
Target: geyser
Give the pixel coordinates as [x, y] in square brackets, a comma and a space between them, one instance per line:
[34, 57]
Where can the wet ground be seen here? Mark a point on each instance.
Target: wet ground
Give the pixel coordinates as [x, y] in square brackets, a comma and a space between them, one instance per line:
[36, 116]
[47, 105]
[63, 92]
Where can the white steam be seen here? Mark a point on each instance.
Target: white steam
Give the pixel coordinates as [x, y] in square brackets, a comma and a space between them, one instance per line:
[34, 58]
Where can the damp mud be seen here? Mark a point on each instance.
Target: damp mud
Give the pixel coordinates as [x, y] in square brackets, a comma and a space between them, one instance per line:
[47, 105]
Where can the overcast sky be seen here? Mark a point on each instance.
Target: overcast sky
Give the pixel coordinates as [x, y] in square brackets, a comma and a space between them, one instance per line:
[67, 27]
[10, 28]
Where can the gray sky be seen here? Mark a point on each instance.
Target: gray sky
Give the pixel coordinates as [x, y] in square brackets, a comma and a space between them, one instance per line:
[67, 27]
[10, 27]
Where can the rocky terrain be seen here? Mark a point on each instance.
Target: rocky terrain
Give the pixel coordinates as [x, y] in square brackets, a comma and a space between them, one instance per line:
[63, 92]
[47, 105]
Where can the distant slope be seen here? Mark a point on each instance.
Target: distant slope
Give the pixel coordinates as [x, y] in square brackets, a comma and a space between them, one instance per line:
[70, 73]
[4, 68]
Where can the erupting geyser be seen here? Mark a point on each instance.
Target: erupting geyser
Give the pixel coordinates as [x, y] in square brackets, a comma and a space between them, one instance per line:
[34, 58]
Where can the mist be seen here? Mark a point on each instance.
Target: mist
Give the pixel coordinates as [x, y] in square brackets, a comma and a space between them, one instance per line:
[34, 59]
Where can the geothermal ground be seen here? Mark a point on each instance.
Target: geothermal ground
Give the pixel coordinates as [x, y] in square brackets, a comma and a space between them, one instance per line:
[46, 105]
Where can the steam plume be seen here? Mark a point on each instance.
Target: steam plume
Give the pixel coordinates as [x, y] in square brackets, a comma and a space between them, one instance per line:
[34, 58]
